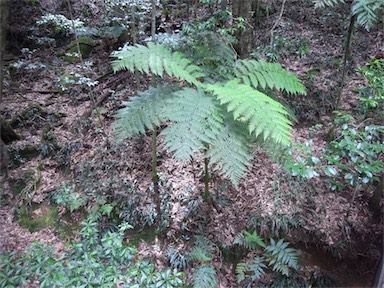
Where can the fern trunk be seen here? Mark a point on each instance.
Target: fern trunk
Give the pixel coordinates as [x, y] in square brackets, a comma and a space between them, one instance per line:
[346, 57]
[155, 176]
[206, 179]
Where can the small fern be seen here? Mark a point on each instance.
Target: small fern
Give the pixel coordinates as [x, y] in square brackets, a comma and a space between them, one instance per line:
[241, 270]
[281, 257]
[261, 75]
[177, 260]
[205, 277]
[202, 250]
[293, 281]
[256, 109]
[156, 59]
[255, 268]
[200, 254]
[249, 241]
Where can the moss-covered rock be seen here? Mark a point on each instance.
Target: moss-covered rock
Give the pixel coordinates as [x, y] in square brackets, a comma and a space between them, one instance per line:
[37, 217]
[86, 45]
[20, 154]
[30, 116]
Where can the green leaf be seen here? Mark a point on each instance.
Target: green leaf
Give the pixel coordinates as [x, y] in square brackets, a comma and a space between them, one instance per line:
[261, 74]
[230, 153]
[141, 112]
[263, 115]
[156, 59]
[205, 277]
[196, 120]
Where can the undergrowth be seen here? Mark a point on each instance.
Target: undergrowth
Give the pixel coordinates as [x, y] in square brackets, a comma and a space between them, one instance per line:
[95, 259]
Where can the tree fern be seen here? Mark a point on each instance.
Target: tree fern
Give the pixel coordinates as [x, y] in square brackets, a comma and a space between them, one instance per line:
[156, 59]
[141, 112]
[263, 115]
[213, 118]
[281, 257]
[205, 277]
[261, 74]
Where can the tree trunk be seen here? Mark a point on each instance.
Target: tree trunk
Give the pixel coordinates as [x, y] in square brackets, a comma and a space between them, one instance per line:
[3, 159]
[243, 9]
[4, 10]
[377, 198]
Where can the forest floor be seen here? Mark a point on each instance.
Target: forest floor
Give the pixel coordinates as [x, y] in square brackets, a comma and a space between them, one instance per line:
[74, 144]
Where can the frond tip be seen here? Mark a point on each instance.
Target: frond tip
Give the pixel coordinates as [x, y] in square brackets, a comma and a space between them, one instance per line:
[156, 59]
[261, 74]
[263, 115]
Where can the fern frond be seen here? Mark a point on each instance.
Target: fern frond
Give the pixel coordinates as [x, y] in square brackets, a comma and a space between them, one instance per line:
[202, 250]
[230, 153]
[327, 3]
[261, 74]
[257, 267]
[156, 59]
[263, 115]
[141, 112]
[199, 254]
[249, 241]
[205, 277]
[241, 269]
[196, 120]
[282, 257]
[366, 11]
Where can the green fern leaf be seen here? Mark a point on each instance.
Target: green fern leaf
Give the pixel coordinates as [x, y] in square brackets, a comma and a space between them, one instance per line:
[196, 120]
[156, 59]
[199, 254]
[205, 277]
[281, 257]
[257, 268]
[230, 153]
[249, 241]
[327, 3]
[261, 74]
[262, 114]
[202, 250]
[241, 269]
[141, 112]
[366, 11]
